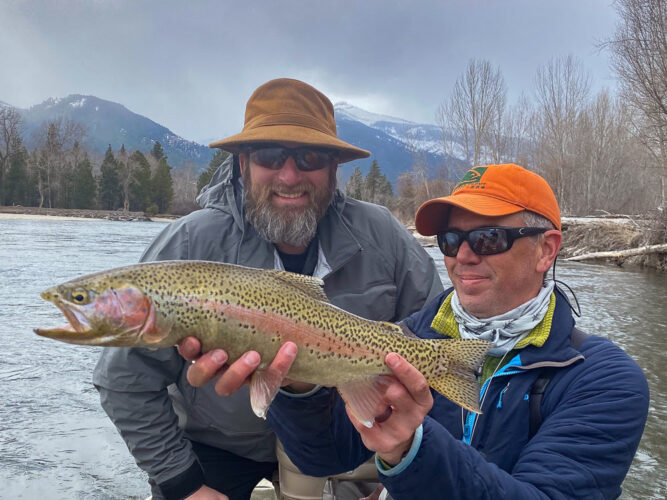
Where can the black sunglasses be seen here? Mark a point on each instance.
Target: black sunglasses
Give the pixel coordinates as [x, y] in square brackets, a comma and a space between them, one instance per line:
[306, 159]
[484, 240]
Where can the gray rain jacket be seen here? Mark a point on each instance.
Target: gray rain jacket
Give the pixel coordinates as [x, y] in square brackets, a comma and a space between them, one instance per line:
[370, 265]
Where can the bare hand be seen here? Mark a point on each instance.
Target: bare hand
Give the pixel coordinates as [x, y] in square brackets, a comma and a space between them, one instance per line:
[207, 366]
[410, 400]
[206, 493]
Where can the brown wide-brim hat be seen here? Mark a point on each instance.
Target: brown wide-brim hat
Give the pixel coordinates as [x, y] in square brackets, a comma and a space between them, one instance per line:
[292, 113]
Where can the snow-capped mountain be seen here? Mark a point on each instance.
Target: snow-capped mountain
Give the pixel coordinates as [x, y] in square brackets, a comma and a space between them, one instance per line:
[109, 123]
[392, 141]
[418, 136]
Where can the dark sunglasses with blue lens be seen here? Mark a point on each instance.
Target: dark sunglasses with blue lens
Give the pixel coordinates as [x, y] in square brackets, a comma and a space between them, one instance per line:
[484, 240]
[307, 159]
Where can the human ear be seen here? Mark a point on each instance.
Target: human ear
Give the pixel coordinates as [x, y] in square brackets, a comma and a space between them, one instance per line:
[549, 246]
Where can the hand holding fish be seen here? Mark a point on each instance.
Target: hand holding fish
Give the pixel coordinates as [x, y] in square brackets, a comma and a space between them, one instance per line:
[205, 367]
[408, 400]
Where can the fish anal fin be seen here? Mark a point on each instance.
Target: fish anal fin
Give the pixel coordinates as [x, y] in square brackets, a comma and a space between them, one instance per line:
[264, 385]
[307, 284]
[364, 397]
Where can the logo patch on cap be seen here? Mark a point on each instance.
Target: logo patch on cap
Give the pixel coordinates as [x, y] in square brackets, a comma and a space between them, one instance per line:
[472, 176]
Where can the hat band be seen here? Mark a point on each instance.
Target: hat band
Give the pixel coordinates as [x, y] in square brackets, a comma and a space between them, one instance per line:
[289, 119]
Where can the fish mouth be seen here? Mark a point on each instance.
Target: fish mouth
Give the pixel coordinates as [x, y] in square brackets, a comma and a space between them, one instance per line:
[78, 330]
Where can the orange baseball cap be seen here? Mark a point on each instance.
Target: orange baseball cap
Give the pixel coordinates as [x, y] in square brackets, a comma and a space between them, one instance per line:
[491, 190]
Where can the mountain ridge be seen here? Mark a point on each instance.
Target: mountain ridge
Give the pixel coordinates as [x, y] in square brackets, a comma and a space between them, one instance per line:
[393, 141]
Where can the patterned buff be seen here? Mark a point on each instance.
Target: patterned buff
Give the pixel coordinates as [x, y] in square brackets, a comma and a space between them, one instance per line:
[504, 330]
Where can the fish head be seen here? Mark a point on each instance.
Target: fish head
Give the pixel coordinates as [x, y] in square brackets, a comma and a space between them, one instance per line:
[102, 312]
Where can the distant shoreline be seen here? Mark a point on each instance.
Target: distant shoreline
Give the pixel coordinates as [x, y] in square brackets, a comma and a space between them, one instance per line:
[36, 213]
[580, 234]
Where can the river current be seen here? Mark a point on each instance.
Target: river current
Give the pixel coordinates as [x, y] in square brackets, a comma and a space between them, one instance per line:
[57, 443]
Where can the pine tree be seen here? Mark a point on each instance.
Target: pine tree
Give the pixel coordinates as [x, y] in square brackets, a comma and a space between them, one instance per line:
[406, 197]
[372, 182]
[163, 186]
[85, 188]
[385, 194]
[140, 188]
[111, 192]
[17, 186]
[218, 158]
[355, 185]
[157, 151]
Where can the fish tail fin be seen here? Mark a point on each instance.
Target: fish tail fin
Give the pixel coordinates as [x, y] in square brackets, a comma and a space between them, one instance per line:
[455, 373]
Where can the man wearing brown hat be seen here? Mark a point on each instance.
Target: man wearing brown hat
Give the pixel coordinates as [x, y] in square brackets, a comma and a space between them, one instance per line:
[563, 412]
[273, 204]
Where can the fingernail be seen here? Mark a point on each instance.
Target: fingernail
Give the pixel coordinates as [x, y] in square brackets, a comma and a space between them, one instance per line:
[219, 356]
[392, 360]
[290, 349]
[251, 358]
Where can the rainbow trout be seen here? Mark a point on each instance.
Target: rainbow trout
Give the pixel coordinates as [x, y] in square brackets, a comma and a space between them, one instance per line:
[235, 308]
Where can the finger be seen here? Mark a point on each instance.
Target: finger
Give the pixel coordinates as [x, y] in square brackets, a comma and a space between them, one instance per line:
[237, 373]
[206, 368]
[189, 348]
[283, 360]
[411, 378]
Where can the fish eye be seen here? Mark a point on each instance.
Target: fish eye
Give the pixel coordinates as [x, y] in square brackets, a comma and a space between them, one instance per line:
[80, 296]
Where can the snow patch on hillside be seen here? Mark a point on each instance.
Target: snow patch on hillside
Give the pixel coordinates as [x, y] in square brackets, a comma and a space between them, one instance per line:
[79, 103]
[343, 109]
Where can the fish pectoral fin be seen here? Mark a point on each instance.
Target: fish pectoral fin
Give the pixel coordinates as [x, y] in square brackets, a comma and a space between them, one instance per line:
[264, 385]
[364, 398]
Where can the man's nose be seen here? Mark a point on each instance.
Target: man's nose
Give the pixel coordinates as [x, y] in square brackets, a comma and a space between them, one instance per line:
[289, 173]
[466, 255]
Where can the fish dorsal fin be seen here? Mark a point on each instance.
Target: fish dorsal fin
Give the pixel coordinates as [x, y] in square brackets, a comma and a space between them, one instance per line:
[307, 284]
[395, 329]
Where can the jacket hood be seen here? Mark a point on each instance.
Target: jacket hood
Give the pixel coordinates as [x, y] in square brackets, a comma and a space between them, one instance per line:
[226, 182]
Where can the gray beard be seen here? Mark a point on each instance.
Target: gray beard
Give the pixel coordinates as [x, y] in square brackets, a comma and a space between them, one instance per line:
[296, 228]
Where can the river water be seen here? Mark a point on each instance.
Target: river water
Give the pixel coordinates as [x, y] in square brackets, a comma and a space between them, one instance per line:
[57, 443]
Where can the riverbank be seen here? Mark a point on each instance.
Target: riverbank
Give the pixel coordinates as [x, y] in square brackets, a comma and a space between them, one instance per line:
[78, 213]
[582, 236]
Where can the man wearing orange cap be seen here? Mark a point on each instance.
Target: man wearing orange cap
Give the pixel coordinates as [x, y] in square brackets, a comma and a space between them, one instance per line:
[274, 205]
[563, 412]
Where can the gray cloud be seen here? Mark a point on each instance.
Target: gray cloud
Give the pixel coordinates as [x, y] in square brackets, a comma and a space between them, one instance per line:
[191, 66]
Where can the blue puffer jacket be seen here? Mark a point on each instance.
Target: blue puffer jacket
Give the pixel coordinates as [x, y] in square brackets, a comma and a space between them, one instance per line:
[593, 412]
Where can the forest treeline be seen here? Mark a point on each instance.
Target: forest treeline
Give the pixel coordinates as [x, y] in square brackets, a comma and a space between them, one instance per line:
[60, 173]
[601, 151]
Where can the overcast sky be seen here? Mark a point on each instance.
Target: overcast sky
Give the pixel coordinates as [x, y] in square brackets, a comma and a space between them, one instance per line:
[191, 66]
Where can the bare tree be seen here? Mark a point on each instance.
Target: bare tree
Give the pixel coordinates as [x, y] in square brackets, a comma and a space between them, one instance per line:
[10, 133]
[639, 56]
[562, 88]
[478, 97]
[55, 139]
[185, 190]
[125, 174]
[419, 169]
[516, 133]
